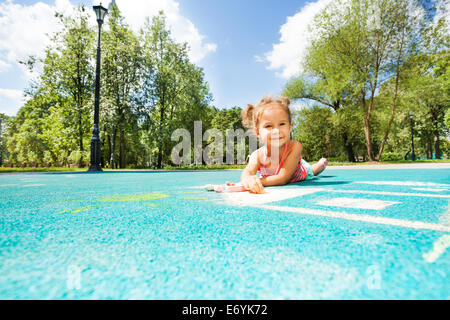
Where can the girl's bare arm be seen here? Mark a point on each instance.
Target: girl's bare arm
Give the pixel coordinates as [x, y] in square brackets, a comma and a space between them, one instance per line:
[248, 177]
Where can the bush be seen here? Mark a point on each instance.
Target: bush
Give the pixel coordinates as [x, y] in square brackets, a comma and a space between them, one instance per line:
[48, 158]
[338, 159]
[77, 155]
[391, 156]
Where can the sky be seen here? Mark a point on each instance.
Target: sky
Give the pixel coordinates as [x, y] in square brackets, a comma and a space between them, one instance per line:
[247, 48]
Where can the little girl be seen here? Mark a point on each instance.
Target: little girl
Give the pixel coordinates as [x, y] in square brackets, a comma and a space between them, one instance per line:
[279, 161]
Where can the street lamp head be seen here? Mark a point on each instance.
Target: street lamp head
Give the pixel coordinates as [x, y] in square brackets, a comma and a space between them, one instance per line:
[411, 114]
[100, 11]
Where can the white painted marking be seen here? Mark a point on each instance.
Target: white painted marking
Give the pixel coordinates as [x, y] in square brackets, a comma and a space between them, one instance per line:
[271, 194]
[360, 217]
[439, 247]
[430, 189]
[392, 193]
[34, 185]
[405, 183]
[8, 185]
[356, 203]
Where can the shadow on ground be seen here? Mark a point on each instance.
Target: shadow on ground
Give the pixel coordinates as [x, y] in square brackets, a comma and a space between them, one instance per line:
[319, 183]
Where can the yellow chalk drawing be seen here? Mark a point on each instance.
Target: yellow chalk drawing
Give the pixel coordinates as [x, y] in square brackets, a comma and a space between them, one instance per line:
[197, 198]
[190, 192]
[121, 198]
[133, 197]
[150, 204]
[79, 209]
[62, 211]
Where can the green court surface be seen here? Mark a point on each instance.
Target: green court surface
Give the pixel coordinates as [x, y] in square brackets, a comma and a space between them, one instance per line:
[347, 234]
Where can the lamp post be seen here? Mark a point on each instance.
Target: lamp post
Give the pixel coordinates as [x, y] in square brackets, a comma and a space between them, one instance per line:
[413, 155]
[95, 140]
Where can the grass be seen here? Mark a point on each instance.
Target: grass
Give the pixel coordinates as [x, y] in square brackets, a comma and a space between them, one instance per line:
[202, 167]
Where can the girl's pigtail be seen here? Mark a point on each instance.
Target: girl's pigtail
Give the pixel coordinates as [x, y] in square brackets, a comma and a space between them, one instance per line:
[247, 116]
[285, 101]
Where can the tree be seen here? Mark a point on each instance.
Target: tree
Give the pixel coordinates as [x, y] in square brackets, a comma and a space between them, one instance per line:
[120, 65]
[26, 142]
[314, 128]
[4, 122]
[427, 82]
[68, 72]
[367, 40]
[321, 90]
[173, 92]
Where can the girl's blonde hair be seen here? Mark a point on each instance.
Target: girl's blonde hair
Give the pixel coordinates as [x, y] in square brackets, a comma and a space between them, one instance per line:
[251, 114]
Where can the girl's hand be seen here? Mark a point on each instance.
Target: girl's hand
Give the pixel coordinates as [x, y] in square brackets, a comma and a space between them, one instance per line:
[253, 184]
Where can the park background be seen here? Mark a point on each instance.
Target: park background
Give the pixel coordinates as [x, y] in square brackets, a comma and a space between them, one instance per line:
[365, 78]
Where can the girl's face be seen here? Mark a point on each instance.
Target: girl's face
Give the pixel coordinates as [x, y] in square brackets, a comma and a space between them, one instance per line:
[274, 127]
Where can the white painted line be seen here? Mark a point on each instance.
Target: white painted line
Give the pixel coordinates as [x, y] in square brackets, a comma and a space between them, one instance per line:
[392, 193]
[271, 194]
[34, 185]
[358, 217]
[439, 247]
[430, 189]
[357, 203]
[405, 183]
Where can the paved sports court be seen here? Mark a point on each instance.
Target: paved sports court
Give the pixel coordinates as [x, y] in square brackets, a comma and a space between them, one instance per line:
[352, 233]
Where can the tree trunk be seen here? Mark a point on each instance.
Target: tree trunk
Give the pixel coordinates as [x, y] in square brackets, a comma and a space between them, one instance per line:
[113, 143]
[386, 135]
[435, 119]
[80, 133]
[394, 102]
[108, 141]
[348, 148]
[122, 148]
[429, 147]
[160, 142]
[437, 149]
[367, 129]
[368, 138]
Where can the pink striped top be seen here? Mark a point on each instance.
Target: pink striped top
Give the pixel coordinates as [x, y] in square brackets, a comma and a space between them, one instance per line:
[299, 174]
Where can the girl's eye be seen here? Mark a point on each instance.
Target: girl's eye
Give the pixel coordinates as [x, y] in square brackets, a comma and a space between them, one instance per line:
[267, 126]
[282, 124]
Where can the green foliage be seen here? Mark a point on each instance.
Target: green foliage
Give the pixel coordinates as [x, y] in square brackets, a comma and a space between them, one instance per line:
[366, 74]
[373, 62]
[315, 130]
[76, 156]
[392, 156]
[4, 123]
[174, 93]
[447, 118]
[121, 61]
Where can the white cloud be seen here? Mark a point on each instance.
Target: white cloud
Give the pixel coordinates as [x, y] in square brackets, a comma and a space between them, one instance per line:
[297, 107]
[4, 66]
[295, 38]
[443, 11]
[10, 101]
[24, 29]
[182, 29]
[258, 58]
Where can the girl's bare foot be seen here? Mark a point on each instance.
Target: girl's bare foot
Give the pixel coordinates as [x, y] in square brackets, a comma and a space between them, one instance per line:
[319, 166]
